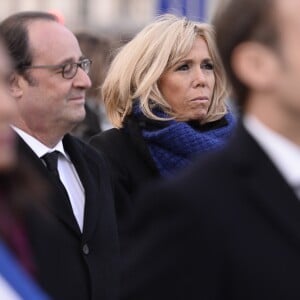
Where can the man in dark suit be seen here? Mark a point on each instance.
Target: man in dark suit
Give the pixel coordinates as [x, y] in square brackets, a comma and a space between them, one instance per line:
[229, 228]
[76, 247]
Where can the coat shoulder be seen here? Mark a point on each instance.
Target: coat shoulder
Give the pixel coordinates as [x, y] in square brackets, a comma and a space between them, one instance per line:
[111, 142]
[80, 148]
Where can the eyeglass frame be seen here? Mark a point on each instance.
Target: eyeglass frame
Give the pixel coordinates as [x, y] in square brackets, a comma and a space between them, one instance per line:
[63, 66]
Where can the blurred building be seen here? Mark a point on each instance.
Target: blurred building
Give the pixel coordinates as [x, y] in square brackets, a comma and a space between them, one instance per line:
[111, 15]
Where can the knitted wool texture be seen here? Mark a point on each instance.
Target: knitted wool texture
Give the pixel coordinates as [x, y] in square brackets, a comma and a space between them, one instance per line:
[173, 145]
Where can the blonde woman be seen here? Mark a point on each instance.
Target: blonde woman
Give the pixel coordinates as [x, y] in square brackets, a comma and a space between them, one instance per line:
[165, 94]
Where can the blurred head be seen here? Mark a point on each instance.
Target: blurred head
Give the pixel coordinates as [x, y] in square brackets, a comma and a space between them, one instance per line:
[44, 52]
[172, 63]
[237, 22]
[7, 112]
[98, 50]
[261, 53]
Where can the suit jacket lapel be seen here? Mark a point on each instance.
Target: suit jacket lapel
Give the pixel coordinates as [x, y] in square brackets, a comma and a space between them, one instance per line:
[267, 188]
[59, 204]
[90, 180]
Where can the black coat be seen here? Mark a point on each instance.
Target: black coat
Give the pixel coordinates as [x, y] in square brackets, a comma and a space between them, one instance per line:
[130, 161]
[74, 265]
[229, 228]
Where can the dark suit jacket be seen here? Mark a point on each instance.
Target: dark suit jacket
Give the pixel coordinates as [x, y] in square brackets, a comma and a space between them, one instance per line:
[229, 228]
[72, 265]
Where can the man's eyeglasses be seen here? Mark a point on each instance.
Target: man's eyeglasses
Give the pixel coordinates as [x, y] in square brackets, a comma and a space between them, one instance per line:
[68, 70]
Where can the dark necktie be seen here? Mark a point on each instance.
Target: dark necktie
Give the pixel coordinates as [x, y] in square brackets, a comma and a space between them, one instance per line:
[51, 160]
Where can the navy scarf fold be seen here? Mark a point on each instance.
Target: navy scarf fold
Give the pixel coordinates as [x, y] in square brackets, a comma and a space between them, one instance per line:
[173, 144]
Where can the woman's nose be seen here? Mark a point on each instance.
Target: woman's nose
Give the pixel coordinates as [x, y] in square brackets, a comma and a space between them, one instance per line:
[200, 78]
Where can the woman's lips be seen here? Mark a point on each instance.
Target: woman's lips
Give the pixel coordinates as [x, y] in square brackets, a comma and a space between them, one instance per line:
[200, 99]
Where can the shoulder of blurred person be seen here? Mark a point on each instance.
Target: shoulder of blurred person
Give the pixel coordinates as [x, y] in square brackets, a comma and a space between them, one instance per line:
[203, 234]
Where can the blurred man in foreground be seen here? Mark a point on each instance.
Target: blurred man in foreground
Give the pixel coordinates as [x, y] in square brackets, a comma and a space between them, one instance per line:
[18, 197]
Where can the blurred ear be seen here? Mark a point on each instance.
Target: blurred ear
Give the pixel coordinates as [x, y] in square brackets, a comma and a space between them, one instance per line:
[16, 83]
[255, 65]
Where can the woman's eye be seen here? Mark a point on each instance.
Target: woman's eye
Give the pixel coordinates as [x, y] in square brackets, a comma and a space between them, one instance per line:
[183, 67]
[207, 66]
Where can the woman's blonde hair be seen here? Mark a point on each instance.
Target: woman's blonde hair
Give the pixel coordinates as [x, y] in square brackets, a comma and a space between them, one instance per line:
[135, 71]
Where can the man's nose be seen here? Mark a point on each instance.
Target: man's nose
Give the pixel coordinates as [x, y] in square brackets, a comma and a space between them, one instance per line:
[82, 79]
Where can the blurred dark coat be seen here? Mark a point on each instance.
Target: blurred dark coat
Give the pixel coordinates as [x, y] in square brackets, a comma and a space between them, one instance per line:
[229, 228]
[71, 264]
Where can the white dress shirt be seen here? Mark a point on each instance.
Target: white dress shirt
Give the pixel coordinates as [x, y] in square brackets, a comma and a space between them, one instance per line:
[284, 154]
[67, 173]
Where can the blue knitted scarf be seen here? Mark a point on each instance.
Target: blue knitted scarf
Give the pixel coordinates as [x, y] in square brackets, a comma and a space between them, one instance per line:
[173, 144]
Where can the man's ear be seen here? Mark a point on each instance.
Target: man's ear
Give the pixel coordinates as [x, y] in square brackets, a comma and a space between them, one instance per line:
[255, 65]
[16, 84]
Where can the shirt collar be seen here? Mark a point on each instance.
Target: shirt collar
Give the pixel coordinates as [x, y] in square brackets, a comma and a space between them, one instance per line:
[284, 154]
[37, 147]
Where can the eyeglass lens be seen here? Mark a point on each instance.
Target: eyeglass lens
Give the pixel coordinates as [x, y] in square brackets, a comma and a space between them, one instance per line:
[70, 70]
